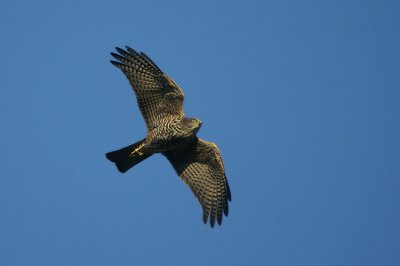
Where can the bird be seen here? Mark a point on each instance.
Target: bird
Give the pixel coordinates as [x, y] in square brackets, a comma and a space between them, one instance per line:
[169, 132]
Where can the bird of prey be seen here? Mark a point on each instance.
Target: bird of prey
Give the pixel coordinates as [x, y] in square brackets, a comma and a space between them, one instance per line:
[197, 162]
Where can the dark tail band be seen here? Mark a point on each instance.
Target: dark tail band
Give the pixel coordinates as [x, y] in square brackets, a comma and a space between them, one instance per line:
[122, 159]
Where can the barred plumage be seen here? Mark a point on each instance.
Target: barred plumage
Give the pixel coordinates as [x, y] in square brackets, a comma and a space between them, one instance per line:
[160, 100]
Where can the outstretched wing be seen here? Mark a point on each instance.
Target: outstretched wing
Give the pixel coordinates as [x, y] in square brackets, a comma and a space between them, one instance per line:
[157, 94]
[199, 164]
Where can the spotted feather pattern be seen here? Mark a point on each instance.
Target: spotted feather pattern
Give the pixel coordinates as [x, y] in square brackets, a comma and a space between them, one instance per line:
[200, 166]
[157, 94]
[197, 162]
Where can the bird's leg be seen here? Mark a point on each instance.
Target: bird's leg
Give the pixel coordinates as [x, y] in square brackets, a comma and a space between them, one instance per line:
[137, 151]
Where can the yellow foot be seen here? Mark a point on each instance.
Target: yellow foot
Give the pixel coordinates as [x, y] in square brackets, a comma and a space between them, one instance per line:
[137, 151]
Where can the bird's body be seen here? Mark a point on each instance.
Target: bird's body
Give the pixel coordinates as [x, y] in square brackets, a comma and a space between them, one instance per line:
[171, 133]
[196, 161]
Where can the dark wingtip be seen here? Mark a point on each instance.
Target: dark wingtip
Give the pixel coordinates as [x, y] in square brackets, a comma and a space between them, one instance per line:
[121, 51]
[205, 217]
[228, 192]
[116, 56]
[212, 221]
[128, 48]
[219, 219]
[117, 64]
[226, 209]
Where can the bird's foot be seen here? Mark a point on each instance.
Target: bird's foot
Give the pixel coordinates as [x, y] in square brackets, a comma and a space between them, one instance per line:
[137, 151]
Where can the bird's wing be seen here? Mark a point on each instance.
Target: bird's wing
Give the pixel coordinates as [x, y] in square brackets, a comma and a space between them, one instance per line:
[157, 94]
[199, 164]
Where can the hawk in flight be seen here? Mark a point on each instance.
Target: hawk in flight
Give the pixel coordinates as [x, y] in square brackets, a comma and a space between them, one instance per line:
[169, 132]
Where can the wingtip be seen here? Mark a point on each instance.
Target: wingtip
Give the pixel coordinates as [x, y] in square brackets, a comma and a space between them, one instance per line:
[228, 192]
[130, 48]
[212, 218]
[226, 209]
[120, 50]
[212, 223]
[219, 219]
[205, 217]
[115, 63]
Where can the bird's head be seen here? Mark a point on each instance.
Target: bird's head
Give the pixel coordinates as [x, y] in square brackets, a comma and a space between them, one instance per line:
[193, 124]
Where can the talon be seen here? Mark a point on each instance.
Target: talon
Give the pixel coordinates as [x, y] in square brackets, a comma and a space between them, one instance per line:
[137, 151]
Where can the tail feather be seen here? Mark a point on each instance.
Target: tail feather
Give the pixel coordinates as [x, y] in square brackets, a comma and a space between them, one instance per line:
[122, 159]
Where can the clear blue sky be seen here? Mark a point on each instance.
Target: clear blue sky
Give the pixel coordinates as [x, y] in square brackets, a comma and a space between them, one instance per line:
[302, 97]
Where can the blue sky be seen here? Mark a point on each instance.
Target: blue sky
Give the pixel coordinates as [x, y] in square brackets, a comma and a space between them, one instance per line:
[302, 98]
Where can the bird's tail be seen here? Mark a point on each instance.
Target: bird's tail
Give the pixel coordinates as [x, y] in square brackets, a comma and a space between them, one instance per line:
[122, 158]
